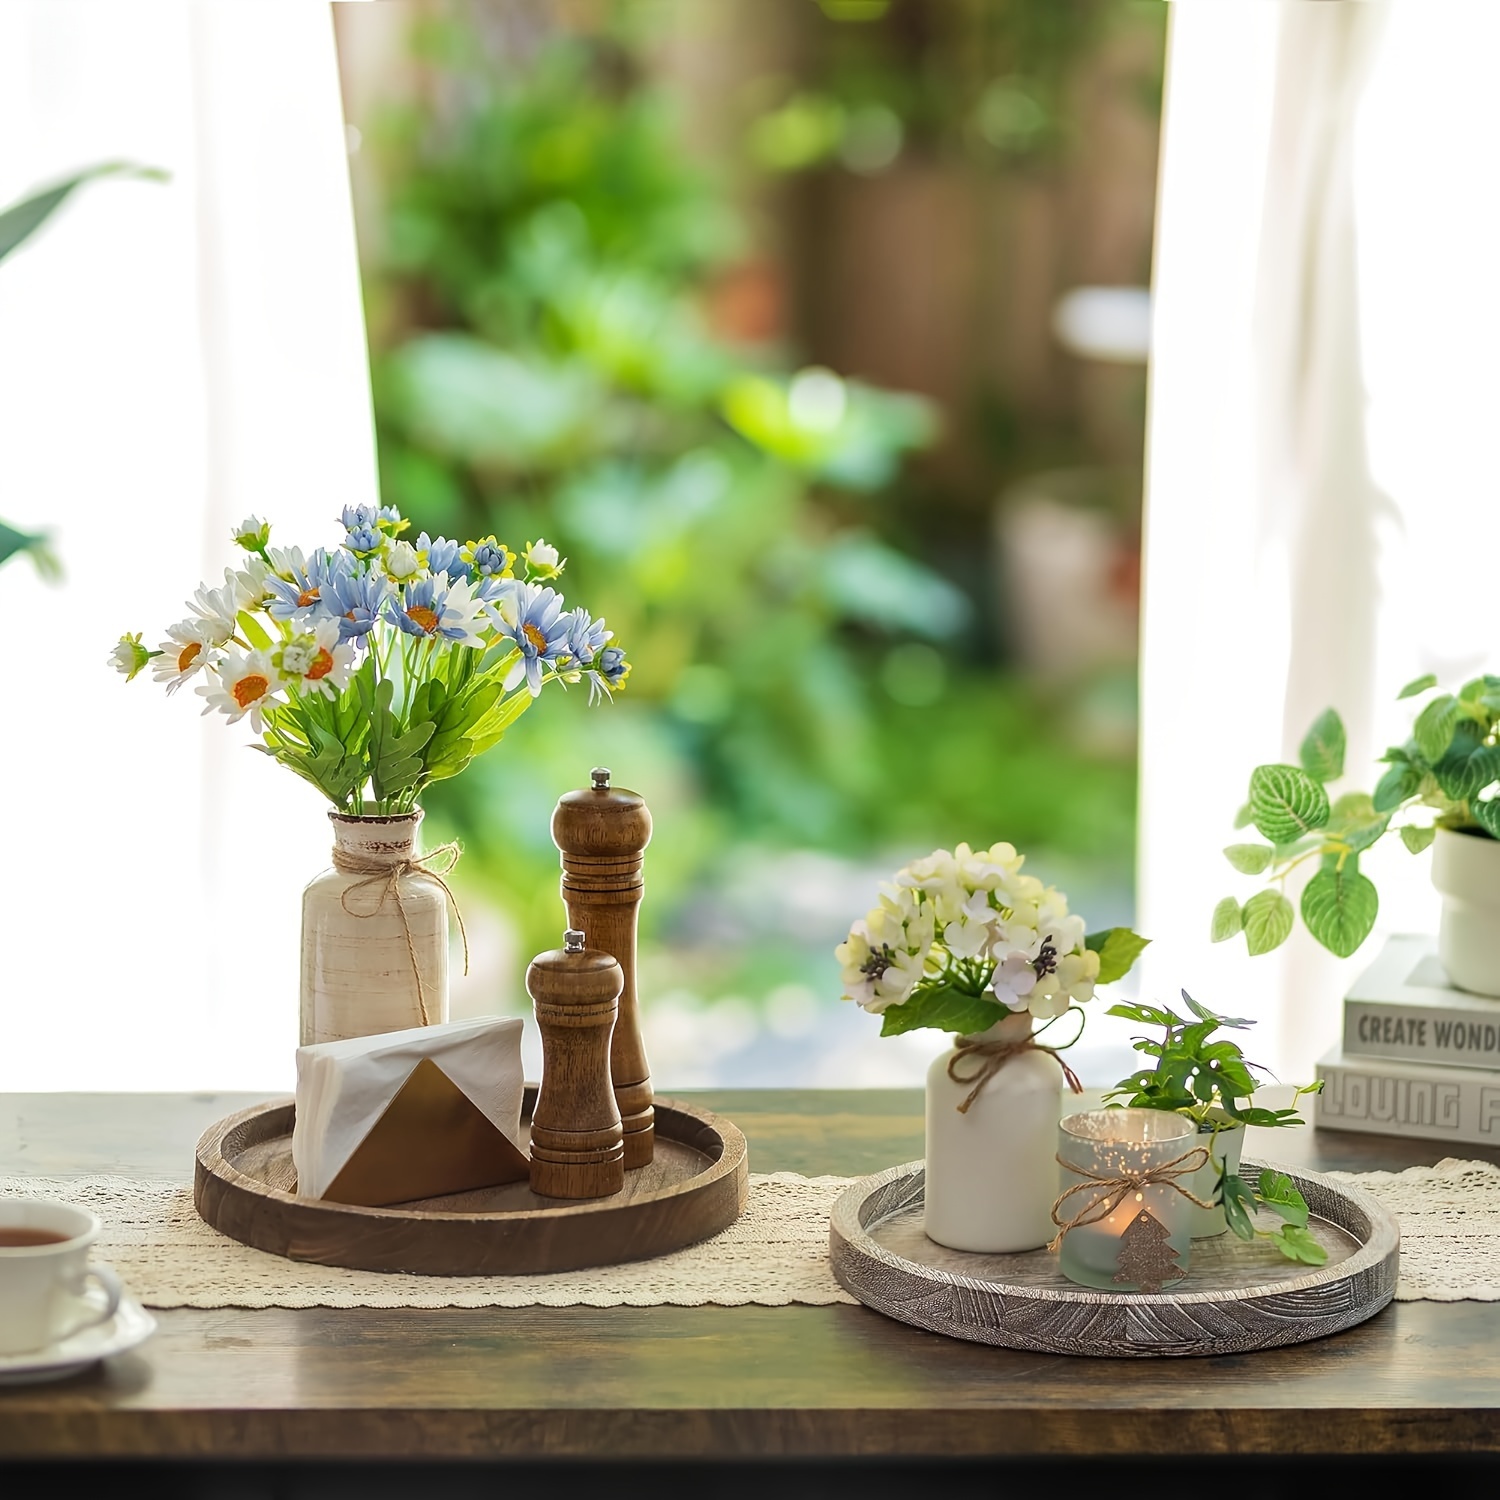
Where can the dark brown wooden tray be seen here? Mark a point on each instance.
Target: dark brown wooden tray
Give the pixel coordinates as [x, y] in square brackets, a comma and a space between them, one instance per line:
[244, 1180]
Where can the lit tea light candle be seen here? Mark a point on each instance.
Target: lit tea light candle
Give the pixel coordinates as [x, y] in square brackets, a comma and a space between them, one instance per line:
[1124, 1214]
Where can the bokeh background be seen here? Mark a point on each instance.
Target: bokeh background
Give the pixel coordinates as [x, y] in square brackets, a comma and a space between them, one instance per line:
[813, 333]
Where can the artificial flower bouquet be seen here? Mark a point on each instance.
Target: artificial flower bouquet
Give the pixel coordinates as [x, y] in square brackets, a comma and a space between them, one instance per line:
[959, 940]
[380, 665]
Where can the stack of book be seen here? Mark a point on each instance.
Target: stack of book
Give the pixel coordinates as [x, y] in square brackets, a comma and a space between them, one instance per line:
[1419, 1057]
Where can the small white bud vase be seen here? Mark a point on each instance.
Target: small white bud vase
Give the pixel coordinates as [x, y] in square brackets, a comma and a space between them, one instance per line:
[1466, 872]
[991, 1170]
[374, 935]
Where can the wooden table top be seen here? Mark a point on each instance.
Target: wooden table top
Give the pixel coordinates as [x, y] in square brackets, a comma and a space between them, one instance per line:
[707, 1383]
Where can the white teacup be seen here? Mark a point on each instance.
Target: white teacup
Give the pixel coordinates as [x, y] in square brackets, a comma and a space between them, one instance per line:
[44, 1274]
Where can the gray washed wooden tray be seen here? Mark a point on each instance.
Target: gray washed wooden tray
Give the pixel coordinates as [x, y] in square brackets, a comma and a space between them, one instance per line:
[1236, 1297]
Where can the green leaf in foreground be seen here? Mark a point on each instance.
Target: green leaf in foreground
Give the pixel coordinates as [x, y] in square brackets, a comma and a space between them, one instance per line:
[1239, 1206]
[1487, 815]
[946, 1008]
[1400, 782]
[1267, 918]
[1418, 685]
[1356, 822]
[1286, 802]
[1322, 751]
[1339, 907]
[1298, 1244]
[1434, 728]
[1245, 816]
[1227, 920]
[1118, 948]
[1417, 839]
[1250, 859]
[1278, 1193]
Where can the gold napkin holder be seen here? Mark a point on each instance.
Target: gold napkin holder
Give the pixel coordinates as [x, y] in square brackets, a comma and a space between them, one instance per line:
[431, 1139]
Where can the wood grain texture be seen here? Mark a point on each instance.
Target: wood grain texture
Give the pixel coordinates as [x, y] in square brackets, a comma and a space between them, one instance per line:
[244, 1185]
[746, 1382]
[577, 1148]
[601, 833]
[1236, 1298]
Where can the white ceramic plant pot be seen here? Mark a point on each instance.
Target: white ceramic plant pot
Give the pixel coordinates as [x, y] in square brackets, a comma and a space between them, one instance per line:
[359, 942]
[992, 1173]
[1224, 1149]
[1466, 872]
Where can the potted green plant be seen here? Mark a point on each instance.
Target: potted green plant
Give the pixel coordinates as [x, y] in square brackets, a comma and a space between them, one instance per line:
[1210, 1081]
[1439, 789]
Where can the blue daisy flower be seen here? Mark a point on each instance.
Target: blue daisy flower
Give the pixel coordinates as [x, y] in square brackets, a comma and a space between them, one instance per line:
[532, 618]
[442, 556]
[429, 609]
[354, 598]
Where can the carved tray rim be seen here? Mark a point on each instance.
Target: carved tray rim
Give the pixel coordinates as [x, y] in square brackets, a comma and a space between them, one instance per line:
[1124, 1324]
[465, 1243]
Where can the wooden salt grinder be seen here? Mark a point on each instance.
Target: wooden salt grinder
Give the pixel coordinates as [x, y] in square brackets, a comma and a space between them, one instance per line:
[602, 833]
[576, 1149]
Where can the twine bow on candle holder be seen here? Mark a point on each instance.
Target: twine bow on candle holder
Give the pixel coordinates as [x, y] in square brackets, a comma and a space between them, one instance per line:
[387, 875]
[1167, 1174]
[992, 1056]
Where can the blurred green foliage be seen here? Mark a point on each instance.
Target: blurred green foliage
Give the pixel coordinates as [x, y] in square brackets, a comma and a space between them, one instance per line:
[542, 367]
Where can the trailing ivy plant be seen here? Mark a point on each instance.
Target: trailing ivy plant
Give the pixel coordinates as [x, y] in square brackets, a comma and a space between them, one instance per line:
[1212, 1082]
[1438, 778]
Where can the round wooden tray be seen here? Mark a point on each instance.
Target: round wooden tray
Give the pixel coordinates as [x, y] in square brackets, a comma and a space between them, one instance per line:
[244, 1185]
[1236, 1297]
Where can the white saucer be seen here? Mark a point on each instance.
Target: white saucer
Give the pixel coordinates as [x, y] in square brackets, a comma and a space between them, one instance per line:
[129, 1326]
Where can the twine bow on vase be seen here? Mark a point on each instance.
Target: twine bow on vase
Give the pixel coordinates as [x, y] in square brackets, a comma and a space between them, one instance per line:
[385, 875]
[991, 1057]
[1111, 1189]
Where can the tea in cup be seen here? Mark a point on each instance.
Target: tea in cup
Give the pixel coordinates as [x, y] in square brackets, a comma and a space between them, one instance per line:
[44, 1274]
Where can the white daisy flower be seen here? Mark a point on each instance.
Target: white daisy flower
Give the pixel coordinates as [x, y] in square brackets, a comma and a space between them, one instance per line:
[318, 662]
[241, 685]
[187, 649]
[217, 610]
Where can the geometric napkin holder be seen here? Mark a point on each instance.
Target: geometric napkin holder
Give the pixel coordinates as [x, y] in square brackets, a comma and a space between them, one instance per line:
[429, 1140]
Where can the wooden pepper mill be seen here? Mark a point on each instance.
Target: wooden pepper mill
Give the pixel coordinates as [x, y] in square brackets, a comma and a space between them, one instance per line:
[602, 833]
[576, 1148]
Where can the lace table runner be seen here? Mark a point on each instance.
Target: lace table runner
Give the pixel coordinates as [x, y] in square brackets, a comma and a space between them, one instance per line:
[776, 1254]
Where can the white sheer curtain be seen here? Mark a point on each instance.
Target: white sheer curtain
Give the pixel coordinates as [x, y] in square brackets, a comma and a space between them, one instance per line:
[172, 357]
[1320, 479]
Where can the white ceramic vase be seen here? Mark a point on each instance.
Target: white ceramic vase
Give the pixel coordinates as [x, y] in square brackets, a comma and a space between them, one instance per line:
[359, 943]
[1466, 872]
[992, 1174]
[1224, 1147]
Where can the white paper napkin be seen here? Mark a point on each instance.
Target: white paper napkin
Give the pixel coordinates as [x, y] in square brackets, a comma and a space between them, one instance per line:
[344, 1087]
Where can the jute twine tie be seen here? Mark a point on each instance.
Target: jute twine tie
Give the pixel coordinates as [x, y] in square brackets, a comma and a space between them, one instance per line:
[1168, 1174]
[992, 1056]
[386, 875]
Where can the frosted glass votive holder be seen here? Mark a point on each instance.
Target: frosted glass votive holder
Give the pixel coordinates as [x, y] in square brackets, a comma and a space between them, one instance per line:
[1111, 1149]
